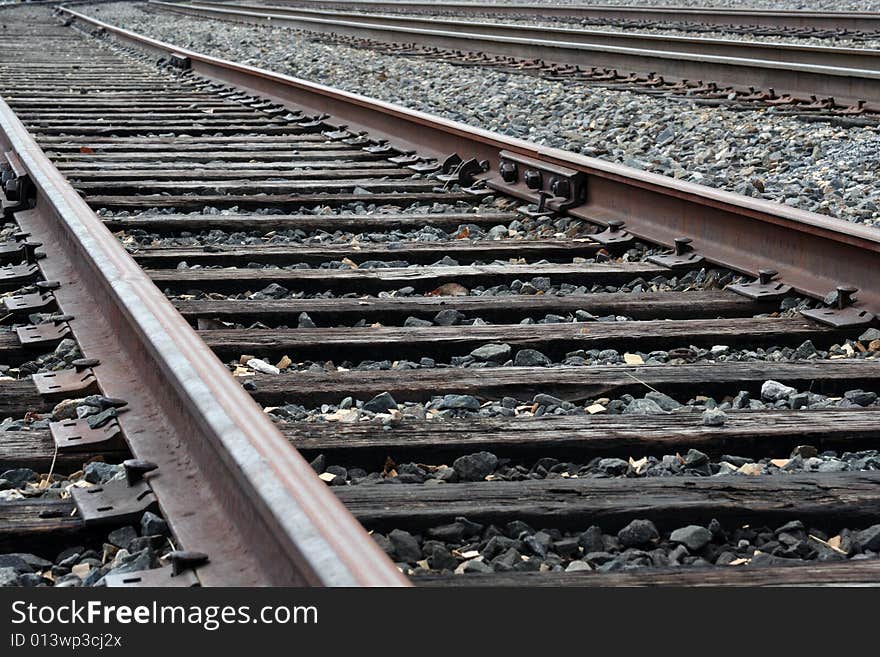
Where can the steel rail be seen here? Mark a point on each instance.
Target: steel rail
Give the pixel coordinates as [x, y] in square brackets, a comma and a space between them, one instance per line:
[823, 20]
[812, 252]
[798, 79]
[228, 482]
[855, 58]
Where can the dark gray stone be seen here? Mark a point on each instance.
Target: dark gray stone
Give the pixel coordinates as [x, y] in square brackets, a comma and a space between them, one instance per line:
[459, 402]
[448, 317]
[860, 397]
[638, 533]
[98, 472]
[381, 403]
[151, 524]
[405, 545]
[440, 558]
[530, 358]
[642, 407]
[494, 352]
[475, 467]
[869, 539]
[122, 537]
[18, 477]
[14, 561]
[8, 577]
[694, 537]
[665, 402]
[774, 391]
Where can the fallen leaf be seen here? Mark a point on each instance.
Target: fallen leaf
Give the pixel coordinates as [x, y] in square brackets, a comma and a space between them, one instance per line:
[750, 469]
[828, 544]
[449, 290]
[350, 263]
[639, 465]
[81, 570]
[245, 358]
[464, 233]
[86, 150]
[779, 463]
[284, 363]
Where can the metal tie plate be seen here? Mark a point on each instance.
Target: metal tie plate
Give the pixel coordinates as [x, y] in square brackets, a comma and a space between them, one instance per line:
[157, 577]
[18, 273]
[27, 303]
[64, 381]
[77, 434]
[45, 333]
[114, 502]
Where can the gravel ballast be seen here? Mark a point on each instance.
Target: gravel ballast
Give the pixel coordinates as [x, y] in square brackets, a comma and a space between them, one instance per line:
[760, 153]
[465, 547]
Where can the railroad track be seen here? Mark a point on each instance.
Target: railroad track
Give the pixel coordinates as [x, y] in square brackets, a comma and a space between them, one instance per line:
[478, 345]
[754, 20]
[819, 79]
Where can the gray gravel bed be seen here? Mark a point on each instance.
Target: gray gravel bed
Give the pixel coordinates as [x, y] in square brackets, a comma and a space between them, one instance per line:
[126, 550]
[807, 5]
[466, 547]
[666, 28]
[701, 279]
[492, 355]
[385, 410]
[486, 466]
[760, 153]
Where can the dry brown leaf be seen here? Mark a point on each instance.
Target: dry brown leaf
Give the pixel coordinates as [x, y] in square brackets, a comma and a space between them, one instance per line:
[86, 150]
[449, 290]
[284, 363]
[750, 469]
[350, 263]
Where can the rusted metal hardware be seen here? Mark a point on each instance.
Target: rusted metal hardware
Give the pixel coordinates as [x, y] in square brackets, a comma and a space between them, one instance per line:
[43, 333]
[614, 235]
[181, 572]
[19, 274]
[764, 289]
[65, 382]
[550, 187]
[20, 250]
[796, 70]
[844, 313]
[78, 435]
[258, 504]
[707, 17]
[179, 61]
[682, 255]
[29, 303]
[119, 500]
[812, 252]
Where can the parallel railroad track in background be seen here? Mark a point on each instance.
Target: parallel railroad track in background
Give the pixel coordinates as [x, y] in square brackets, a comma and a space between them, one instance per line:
[151, 135]
[759, 20]
[806, 79]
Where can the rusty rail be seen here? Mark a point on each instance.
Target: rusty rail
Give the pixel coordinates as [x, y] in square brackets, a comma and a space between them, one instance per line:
[813, 253]
[823, 20]
[229, 484]
[799, 71]
[794, 53]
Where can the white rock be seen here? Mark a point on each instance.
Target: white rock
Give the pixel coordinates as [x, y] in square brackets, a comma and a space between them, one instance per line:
[262, 366]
